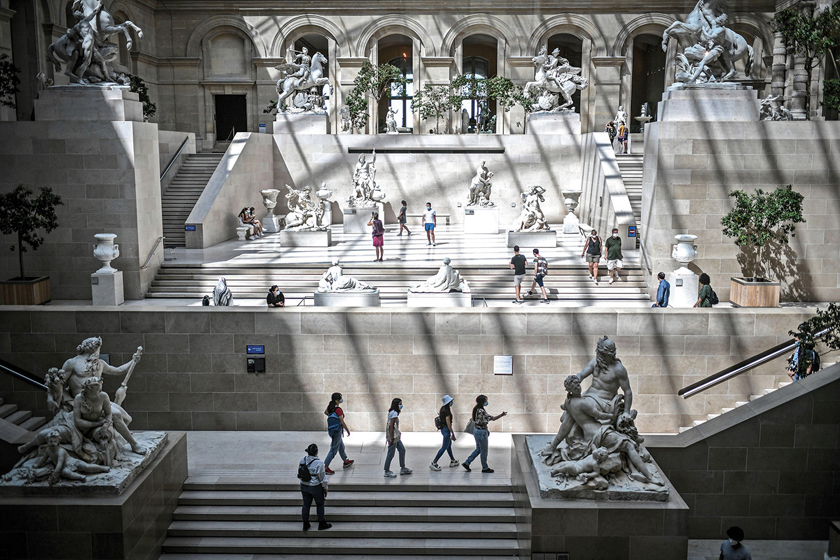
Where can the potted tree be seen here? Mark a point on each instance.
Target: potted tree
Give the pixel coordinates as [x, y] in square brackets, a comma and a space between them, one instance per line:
[23, 215]
[433, 102]
[372, 82]
[761, 224]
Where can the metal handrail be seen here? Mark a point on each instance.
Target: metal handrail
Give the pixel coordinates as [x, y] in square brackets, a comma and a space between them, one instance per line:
[302, 301]
[152, 254]
[172, 161]
[739, 368]
[13, 373]
[644, 253]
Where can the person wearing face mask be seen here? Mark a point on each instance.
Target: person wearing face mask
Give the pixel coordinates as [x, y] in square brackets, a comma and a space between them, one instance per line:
[732, 549]
[392, 438]
[336, 427]
[592, 252]
[481, 433]
[612, 253]
[429, 223]
[275, 297]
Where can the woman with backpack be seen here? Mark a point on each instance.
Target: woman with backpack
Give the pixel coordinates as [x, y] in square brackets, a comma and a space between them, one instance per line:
[378, 235]
[706, 297]
[443, 422]
[313, 487]
[336, 428]
[480, 419]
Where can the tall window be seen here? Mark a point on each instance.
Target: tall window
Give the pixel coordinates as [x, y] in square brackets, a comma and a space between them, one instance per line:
[401, 100]
[478, 67]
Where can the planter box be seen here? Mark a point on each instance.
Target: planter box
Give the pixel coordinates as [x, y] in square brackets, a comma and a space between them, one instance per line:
[754, 292]
[33, 291]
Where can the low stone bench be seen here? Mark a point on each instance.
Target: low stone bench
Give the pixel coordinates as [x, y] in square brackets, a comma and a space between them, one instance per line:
[445, 216]
[242, 232]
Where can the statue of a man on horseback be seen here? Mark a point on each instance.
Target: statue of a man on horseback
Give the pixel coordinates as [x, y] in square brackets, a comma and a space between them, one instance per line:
[554, 77]
[303, 81]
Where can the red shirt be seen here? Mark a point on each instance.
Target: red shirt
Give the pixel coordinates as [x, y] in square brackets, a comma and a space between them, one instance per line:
[339, 412]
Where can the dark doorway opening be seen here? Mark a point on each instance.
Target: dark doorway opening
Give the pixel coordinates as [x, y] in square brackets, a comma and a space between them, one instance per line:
[648, 77]
[231, 116]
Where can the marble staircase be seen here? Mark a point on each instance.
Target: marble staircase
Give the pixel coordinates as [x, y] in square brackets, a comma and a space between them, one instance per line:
[631, 167]
[180, 196]
[22, 418]
[737, 404]
[382, 520]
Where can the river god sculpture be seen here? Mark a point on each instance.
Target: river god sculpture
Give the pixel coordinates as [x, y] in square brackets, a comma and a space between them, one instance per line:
[554, 77]
[304, 214]
[480, 187]
[446, 280]
[366, 193]
[333, 280]
[304, 81]
[532, 218]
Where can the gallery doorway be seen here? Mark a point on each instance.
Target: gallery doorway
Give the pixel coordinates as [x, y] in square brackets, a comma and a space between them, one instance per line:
[231, 116]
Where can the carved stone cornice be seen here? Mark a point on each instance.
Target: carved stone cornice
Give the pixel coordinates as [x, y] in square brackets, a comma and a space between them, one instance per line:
[607, 61]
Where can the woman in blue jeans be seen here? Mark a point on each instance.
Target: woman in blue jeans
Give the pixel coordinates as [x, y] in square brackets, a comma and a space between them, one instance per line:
[447, 432]
[336, 427]
[393, 440]
[481, 433]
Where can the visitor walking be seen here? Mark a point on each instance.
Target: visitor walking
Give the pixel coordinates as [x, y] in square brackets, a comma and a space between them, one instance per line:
[705, 295]
[622, 139]
[663, 292]
[612, 253]
[444, 424]
[592, 252]
[402, 218]
[378, 235]
[275, 297]
[336, 427]
[429, 222]
[518, 264]
[610, 130]
[481, 432]
[805, 360]
[393, 439]
[540, 272]
[732, 549]
[313, 486]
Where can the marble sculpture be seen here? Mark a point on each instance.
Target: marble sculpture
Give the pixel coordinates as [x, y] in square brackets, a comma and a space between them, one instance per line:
[620, 116]
[554, 77]
[333, 280]
[304, 214]
[771, 109]
[480, 187]
[303, 81]
[532, 218]
[366, 193]
[598, 447]
[85, 49]
[714, 47]
[88, 439]
[391, 120]
[446, 280]
[222, 296]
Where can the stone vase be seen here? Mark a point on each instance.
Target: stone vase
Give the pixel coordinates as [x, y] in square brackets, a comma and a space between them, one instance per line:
[571, 200]
[684, 282]
[270, 222]
[324, 194]
[685, 250]
[106, 250]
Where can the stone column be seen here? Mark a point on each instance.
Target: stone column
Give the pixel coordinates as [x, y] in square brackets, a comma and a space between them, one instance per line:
[373, 105]
[796, 103]
[6, 114]
[586, 96]
[348, 68]
[779, 68]
[502, 117]
[334, 103]
[436, 72]
[416, 69]
[606, 86]
[521, 71]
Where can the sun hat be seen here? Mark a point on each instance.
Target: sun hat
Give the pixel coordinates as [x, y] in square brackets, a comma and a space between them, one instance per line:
[447, 399]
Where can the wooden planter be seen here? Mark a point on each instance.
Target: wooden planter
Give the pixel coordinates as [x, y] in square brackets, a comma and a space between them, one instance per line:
[33, 291]
[754, 292]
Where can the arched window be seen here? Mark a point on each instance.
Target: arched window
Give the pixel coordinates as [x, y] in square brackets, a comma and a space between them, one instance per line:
[479, 68]
[401, 100]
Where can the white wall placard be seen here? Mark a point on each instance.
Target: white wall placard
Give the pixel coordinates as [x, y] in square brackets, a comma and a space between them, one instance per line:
[503, 365]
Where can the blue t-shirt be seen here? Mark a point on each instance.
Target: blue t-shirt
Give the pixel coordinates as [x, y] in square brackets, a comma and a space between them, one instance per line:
[739, 552]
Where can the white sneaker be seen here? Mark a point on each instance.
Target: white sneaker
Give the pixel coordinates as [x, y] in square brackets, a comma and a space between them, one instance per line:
[611, 279]
[406, 470]
[434, 466]
[389, 474]
[618, 278]
[590, 276]
[453, 463]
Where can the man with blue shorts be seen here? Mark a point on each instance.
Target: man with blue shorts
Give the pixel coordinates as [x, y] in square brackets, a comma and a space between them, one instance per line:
[430, 221]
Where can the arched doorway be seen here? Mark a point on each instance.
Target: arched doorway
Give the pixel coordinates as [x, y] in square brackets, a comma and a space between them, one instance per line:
[398, 51]
[571, 48]
[648, 76]
[479, 62]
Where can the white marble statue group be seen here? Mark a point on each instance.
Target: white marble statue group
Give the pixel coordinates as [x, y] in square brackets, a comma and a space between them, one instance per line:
[714, 47]
[480, 187]
[304, 80]
[447, 279]
[366, 193]
[554, 78]
[304, 213]
[532, 218]
[85, 49]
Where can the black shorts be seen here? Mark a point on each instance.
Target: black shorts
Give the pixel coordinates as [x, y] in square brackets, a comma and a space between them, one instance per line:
[539, 280]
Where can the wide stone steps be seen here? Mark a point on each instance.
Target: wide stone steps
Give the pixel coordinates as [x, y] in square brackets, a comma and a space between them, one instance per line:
[183, 192]
[23, 418]
[341, 499]
[333, 556]
[724, 410]
[355, 513]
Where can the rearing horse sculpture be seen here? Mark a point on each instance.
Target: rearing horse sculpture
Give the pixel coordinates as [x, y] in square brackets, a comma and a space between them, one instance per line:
[288, 86]
[550, 82]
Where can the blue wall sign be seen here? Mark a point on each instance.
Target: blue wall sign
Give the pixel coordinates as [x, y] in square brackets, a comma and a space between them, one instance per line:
[255, 348]
[189, 228]
[631, 231]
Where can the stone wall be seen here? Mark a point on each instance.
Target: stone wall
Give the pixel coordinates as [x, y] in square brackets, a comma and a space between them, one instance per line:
[690, 169]
[193, 372]
[169, 141]
[770, 467]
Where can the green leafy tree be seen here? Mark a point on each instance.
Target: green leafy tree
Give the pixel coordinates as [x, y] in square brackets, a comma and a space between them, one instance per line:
[812, 34]
[139, 86]
[760, 219]
[373, 82]
[23, 215]
[831, 94]
[8, 81]
[825, 326]
[433, 102]
[471, 88]
[271, 108]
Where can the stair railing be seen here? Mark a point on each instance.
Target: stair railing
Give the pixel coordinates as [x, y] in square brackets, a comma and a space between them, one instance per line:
[644, 253]
[17, 373]
[742, 367]
[172, 161]
[152, 254]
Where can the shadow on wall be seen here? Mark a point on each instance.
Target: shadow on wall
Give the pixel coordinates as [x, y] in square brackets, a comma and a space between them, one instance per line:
[781, 263]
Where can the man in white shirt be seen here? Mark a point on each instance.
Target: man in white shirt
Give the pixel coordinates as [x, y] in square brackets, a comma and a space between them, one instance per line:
[430, 221]
[315, 488]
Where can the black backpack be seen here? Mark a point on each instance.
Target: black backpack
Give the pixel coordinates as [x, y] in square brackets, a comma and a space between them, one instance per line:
[303, 471]
[438, 423]
[713, 298]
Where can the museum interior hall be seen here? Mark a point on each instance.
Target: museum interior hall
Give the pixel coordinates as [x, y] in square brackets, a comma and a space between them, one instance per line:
[536, 280]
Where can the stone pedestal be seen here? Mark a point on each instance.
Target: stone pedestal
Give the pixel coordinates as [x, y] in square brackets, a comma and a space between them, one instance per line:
[302, 123]
[532, 239]
[481, 220]
[356, 219]
[684, 287]
[709, 102]
[107, 288]
[439, 299]
[565, 122]
[306, 238]
[271, 224]
[360, 298]
[88, 103]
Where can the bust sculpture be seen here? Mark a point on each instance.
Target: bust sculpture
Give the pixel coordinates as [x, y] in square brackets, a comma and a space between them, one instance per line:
[531, 218]
[480, 187]
[333, 280]
[303, 80]
[554, 77]
[446, 280]
[304, 213]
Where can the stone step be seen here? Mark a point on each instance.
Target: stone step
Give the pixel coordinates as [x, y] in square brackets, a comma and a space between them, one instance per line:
[768, 391]
[725, 410]
[754, 397]
[396, 514]
[340, 499]
[333, 556]
[33, 423]
[711, 416]
[741, 403]
[685, 428]
[784, 383]
[698, 422]
[7, 409]
[19, 416]
[283, 484]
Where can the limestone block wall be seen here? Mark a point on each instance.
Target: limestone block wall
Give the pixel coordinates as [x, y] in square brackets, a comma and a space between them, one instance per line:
[108, 176]
[690, 169]
[193, 372]
[169, 141]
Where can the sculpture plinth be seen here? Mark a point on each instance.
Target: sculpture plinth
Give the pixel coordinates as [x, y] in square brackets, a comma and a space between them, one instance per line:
[709, 102]
[481, 220]
[88, 103]
[356, 219]
[366, 298]
[538, 239]
[565, 122]
[302, 123]
[306, 238]
[439, 299]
